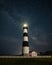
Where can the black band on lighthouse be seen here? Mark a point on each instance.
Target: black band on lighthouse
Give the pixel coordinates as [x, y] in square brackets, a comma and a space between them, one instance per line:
[25, 34]
[25, 27]
[25, 43]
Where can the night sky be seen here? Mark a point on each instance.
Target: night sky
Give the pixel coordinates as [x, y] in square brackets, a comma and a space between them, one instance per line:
[36, 13]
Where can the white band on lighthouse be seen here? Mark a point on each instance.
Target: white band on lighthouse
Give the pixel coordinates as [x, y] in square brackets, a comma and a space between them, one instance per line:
[25, 50]
[25, 31]
[25, 38]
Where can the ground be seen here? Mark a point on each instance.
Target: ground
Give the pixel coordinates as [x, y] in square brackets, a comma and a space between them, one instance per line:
[26, 61]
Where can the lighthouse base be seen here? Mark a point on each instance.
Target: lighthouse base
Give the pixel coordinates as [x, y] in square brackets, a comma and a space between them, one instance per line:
[25, 54]
[25, 51]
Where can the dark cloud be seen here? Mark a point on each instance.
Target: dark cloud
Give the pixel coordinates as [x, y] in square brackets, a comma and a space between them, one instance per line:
[10, 45]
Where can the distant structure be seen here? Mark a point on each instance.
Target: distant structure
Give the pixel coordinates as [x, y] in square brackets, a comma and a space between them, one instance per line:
[25, 46]
[33, 53]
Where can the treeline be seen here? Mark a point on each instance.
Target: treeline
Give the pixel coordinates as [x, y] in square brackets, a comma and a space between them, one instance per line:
[46, 53]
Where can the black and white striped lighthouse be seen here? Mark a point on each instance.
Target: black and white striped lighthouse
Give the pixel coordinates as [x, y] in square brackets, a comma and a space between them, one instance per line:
[25, 46]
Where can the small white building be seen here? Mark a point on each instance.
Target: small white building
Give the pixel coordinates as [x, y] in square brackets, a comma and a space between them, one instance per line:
[33, 53]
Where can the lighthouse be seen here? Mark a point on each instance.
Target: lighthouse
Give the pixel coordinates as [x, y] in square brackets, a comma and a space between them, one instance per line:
[25, 45]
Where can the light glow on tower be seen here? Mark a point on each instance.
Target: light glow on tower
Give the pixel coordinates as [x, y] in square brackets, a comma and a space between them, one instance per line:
[25, 25]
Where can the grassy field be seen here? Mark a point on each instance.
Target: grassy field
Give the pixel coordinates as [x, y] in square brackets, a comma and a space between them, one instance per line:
[25, 61]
